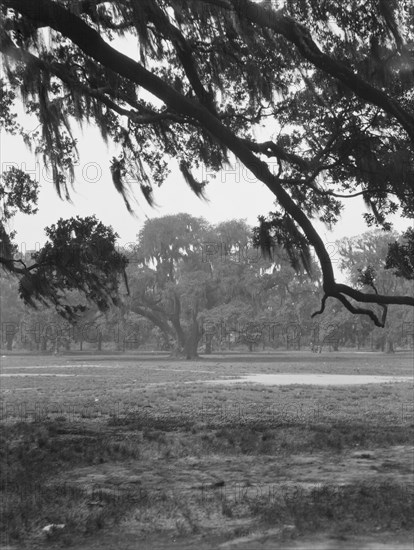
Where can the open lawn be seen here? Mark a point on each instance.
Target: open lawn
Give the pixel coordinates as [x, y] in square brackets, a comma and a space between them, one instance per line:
[137, 452]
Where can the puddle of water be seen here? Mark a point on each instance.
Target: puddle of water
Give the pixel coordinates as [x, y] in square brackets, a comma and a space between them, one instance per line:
[311, 379]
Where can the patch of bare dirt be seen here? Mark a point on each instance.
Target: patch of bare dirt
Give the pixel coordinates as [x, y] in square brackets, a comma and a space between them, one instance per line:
[194, 480]
[192, 474]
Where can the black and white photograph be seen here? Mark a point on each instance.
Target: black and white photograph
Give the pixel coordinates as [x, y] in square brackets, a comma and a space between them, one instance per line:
[207, 274]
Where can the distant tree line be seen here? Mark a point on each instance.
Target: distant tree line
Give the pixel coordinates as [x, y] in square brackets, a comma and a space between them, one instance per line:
[186, 287]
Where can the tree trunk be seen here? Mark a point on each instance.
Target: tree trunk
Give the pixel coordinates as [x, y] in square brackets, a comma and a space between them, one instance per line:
[176, 352]
[389, 345]
[186, 340]
[9, 341]
[191, 343]
[189, 351]
[209, 338]
[43, 345]
[191, 347]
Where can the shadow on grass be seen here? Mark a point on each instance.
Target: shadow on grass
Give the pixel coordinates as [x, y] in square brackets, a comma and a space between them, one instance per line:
[33, 455]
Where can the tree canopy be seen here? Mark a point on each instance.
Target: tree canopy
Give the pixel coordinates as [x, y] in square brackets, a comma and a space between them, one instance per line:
[323, 90]
[192, 275]
[196, 286]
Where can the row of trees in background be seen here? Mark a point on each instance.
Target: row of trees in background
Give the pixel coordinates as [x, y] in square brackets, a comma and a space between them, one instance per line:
[189, 285]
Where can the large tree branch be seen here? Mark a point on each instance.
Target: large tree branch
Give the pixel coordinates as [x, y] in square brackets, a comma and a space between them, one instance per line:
[360, 311]
[369, 298]
[184, 53]
[93, 45]
[154, 318]
[356, 310]
[299, 35]
[271, 149]
[326, 193]
[11, 267]
[268, 148]
[59, 70]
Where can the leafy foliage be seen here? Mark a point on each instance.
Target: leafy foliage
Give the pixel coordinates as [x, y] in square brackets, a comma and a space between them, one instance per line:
[329, 85]
[400, 256]
[18, 193]
[80, 254]
[281, 230]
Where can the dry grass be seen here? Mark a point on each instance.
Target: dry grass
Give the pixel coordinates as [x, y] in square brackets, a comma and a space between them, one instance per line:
[143, 446]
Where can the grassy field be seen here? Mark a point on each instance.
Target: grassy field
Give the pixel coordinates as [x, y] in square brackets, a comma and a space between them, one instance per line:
[143, 452]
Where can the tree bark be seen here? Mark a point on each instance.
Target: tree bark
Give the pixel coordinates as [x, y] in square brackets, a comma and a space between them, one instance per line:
[389, 345]
[209, 338]
[191, 347]
[9, 341]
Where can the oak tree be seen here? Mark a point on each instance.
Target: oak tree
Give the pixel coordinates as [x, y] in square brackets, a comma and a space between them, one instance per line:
[321, 90]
